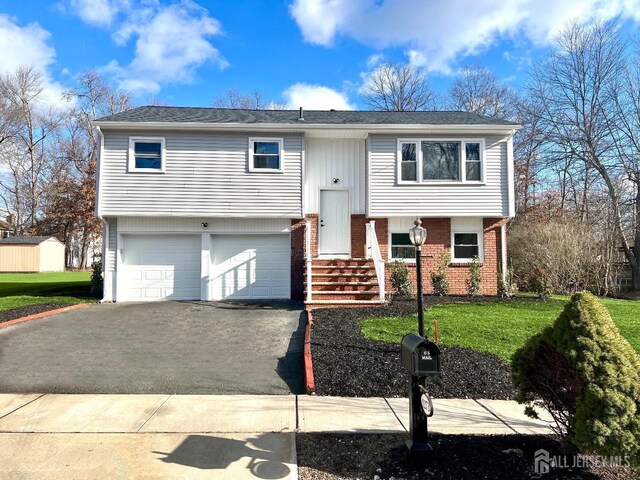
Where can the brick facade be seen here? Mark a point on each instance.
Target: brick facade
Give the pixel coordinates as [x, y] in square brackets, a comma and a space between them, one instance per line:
[438, 241]
[297, 259]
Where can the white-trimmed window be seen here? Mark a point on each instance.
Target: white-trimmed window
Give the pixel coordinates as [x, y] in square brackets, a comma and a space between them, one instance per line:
[401, 246]
[409, 161]
[146, 154]
[266, 155]
[466, 239]
[440, 161]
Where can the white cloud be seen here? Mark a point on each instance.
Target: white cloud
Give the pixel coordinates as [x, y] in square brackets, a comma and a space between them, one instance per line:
[315, 97]
[29, 46]
[171, 41]
[416, 58]
[443, 30]
[374, 60]
[99, 13]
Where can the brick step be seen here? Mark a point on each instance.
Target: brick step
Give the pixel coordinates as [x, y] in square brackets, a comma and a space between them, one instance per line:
[347, 262]
[355, 275]
[319, 278]
[344, 270]
[345, 287]
[341, 303]
[363, 293]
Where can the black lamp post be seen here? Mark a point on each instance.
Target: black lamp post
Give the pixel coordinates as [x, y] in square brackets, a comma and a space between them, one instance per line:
[418, 235]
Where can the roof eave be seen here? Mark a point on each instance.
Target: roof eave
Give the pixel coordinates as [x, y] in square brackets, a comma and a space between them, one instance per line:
[301, 127]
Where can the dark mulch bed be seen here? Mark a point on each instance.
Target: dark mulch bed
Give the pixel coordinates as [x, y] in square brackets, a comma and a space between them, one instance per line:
[326, 456]
[349, 365]
[29, 310]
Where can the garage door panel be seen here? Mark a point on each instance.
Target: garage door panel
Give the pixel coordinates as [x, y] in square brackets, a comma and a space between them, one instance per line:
[246, 268]
[161, 267]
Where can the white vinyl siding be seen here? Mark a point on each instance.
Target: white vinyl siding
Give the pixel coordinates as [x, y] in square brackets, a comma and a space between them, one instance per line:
[388, 198]
[327, 159]
[194, 225]
[206, 173]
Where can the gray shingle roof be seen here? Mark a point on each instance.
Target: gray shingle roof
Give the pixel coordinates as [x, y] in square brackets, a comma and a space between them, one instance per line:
[327, 117]
[25, 240]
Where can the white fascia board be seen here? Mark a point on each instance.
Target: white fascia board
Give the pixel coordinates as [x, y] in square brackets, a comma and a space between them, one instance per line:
[296, 128]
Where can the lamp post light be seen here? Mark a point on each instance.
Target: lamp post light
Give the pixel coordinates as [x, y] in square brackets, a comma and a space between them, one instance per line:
[421, 358]
[418, 235]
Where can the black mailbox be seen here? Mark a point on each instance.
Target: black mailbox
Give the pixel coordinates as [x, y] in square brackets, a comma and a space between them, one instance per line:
[419, 356]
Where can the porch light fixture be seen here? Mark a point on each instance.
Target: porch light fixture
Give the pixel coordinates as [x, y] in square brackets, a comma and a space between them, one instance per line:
[204, 224]
[418, 235]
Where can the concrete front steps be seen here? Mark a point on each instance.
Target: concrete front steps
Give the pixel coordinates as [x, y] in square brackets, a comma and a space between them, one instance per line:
[343, 283]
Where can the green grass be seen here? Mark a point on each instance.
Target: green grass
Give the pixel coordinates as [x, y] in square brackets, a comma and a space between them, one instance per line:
[22, 289]
[498, 327]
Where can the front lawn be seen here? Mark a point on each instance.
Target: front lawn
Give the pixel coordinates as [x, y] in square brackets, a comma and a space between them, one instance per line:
[499, 327]
[23, 289]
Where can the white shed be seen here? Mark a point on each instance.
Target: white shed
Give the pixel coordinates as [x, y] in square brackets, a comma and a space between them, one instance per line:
[31, 254]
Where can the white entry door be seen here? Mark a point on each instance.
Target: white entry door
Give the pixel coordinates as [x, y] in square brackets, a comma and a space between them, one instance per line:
[335, 223]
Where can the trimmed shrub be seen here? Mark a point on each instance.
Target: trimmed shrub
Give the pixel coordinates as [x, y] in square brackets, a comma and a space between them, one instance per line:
[587, 376]
[439, 277]
[473, 282]
[97, 281]
[400, 277]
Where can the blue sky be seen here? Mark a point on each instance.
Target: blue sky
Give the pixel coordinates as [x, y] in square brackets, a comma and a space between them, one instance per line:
[311, 53]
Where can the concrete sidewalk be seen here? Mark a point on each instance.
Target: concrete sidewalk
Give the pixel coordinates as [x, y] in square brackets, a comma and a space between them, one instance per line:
[205, 436]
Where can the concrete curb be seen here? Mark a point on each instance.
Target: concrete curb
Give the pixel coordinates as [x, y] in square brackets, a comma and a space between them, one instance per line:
[309, 381]
[42, 314]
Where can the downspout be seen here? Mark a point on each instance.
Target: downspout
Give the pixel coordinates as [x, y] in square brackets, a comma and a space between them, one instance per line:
[503, 248]
[106, 275]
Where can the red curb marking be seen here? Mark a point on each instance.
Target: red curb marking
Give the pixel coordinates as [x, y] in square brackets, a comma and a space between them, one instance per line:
[310, 384]
[42, 314]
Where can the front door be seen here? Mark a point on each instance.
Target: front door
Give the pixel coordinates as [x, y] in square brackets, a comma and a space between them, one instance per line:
[335, 225]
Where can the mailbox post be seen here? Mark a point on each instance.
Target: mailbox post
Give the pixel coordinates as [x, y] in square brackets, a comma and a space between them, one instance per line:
[421, 358]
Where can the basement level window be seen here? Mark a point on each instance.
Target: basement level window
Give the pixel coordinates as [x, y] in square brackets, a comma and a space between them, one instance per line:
[466, 246]
[401, 247]
[146, 154]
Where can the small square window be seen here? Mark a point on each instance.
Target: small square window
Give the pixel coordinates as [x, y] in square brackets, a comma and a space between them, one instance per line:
[465, 246]
[401, 246]
[146, 155]
[265, 155]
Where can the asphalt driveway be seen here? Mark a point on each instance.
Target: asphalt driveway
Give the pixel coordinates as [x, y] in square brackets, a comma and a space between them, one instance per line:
[163, 347]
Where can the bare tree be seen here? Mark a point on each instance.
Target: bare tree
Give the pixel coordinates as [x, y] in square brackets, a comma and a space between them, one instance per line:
[234, 98]
[571, 92]
[25, 157]
[477, 89]
[398, 88]
[70, 207]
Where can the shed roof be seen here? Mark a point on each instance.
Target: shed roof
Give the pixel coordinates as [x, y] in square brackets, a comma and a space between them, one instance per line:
[24, 240]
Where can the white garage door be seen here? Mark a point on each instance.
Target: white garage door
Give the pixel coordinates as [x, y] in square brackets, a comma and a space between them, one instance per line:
[250, 267]
[160, 267]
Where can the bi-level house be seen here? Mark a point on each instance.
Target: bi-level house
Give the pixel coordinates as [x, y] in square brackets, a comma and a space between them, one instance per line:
[213, 204]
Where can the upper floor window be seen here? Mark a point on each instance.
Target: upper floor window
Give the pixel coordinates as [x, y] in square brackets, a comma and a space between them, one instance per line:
[266, 155]
[146, 154]
[440, 161]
